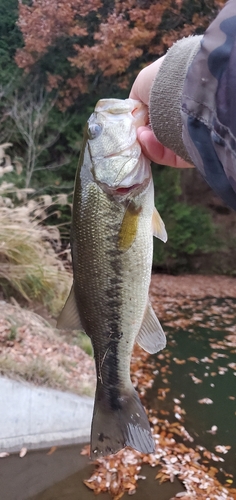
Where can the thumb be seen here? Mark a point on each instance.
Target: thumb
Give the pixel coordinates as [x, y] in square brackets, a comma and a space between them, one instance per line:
[158, 153]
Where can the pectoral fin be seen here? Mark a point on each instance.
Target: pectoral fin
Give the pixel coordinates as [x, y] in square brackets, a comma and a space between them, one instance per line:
[151, 336]
[69, 317]
[129, 227]
[158, 226]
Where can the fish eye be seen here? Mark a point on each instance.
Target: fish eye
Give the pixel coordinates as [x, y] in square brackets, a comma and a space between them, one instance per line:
[94, 130]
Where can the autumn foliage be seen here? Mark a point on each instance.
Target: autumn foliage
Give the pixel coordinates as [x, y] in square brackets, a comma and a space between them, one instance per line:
[100, 40]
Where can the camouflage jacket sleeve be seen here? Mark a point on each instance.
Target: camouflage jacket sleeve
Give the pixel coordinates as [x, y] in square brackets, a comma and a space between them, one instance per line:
[198, 121]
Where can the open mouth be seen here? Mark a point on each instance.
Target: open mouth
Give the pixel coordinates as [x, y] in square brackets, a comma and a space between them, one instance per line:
[126, 190]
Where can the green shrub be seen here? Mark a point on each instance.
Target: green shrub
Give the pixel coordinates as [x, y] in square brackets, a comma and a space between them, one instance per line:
[190, 228]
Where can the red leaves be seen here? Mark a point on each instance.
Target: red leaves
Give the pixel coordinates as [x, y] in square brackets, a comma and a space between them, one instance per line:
[45, 21]
[108, 41]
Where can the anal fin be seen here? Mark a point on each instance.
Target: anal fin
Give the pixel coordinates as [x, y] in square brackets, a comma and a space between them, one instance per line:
[151, 336]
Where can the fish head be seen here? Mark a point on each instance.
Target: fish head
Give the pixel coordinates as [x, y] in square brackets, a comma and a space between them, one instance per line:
[116, 160]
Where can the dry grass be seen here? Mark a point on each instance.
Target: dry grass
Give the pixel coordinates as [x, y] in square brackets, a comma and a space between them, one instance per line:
[36, 370]
[29, 265]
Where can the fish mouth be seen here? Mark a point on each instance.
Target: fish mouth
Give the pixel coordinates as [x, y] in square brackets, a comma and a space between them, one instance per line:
[125, 190]
[119, 191]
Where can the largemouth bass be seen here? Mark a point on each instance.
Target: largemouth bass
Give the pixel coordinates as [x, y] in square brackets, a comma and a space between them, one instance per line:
[113, 223]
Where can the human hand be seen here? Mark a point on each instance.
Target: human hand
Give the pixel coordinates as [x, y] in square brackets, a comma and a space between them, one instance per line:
[151, 147]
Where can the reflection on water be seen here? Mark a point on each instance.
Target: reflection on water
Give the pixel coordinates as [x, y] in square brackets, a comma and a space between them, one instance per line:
[194, 384]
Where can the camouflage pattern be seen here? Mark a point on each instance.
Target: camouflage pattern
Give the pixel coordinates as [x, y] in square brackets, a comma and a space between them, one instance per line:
[209, 106]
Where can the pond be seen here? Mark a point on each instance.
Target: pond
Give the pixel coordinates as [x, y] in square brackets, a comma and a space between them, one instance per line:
[196, 382]
[193, 389]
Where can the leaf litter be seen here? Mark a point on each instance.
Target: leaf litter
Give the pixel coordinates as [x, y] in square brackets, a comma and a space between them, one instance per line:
[176, 456]
[31, 349]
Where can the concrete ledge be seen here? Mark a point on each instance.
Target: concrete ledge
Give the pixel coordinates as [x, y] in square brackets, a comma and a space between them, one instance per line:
[37, 417]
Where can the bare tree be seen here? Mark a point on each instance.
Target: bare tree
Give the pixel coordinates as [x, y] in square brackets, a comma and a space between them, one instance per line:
[5, 132]
[30, 114]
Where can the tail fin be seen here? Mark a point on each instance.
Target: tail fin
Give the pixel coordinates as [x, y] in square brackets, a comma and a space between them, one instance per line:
[127, 425]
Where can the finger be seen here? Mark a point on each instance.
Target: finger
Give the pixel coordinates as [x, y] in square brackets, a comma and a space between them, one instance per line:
[158, 153]
[143, 83]
[139, 91]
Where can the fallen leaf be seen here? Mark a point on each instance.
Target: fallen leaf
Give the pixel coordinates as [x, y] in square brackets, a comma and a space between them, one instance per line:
[213, 430]
[195, 379]
[23, 452]
[222, 449]
[85, 450]
[52, 450]
[205, 401]
[192, 358]
[179, 361]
